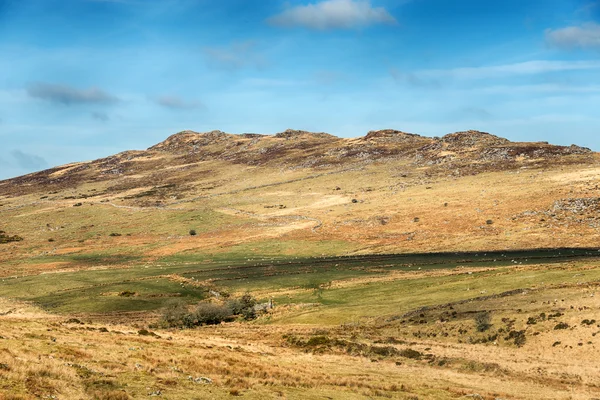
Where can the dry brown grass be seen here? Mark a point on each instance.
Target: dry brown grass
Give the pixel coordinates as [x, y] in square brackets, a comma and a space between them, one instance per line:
[42, 355]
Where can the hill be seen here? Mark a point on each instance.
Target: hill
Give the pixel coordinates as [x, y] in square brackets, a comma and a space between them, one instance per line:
[400, 266]
[388, 191]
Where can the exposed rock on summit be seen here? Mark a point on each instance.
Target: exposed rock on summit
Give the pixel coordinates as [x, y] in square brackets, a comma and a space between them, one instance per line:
[292, 133]
[461, 153]
[186, 140]
[392, 135]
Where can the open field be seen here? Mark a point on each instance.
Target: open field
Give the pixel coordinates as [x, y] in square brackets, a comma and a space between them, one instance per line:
[395, 334]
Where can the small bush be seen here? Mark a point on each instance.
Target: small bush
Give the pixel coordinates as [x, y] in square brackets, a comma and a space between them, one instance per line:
[211, 314]
[561, 325]
[320, 340]
[114, 234]
[410, 353]
[243, 306]
[482, 321]
[517, 336]
[520, 340]
[192, 232]
[175, 314]
[489, 222]
[4, 238]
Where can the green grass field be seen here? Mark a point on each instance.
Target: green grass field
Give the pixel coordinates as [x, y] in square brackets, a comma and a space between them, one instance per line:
[289, 280]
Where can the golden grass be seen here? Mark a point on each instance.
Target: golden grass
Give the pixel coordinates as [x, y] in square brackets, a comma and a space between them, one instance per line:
[43, 355]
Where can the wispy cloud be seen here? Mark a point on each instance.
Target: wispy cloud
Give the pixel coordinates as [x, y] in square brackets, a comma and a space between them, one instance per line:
[28, 161]
[333, 14]
[67, 95]
[507, 70]
[177, 103]
[100, 116]
[238, 55]
[586, 36]
[542, 88]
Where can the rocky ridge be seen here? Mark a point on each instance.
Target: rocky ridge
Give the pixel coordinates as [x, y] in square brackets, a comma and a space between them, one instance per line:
[460, 153]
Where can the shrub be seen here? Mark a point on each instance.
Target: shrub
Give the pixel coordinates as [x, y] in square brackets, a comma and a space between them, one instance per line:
[211, 314]
[482, 321]
[192, 232]
[410, 353]
[175, 313]
[4, 238]
[518, 337]
[243, 306]
[319, 340]
[114, 234]
[520, 340]
[561, 325]
[489, 222]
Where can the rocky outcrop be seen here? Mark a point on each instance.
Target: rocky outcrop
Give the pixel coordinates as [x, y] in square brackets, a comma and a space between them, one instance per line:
[296, 134]
[459, 153]
[392, 135]
[471, 138]
[190, 140]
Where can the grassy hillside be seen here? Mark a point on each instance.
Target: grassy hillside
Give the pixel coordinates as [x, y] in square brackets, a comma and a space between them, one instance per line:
[400, 266]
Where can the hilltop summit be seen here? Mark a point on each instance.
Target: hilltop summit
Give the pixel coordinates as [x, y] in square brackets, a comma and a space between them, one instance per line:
[462, 153]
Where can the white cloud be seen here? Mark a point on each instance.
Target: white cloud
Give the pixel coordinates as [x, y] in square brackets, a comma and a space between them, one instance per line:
[543, 88]
[586, 36]
[333, 14]
[507, 70]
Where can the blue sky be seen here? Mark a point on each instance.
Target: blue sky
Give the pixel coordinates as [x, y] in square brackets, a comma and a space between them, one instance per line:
[83, 79]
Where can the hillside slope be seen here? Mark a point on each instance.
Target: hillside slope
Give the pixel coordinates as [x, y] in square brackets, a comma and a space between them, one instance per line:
[304, 193]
